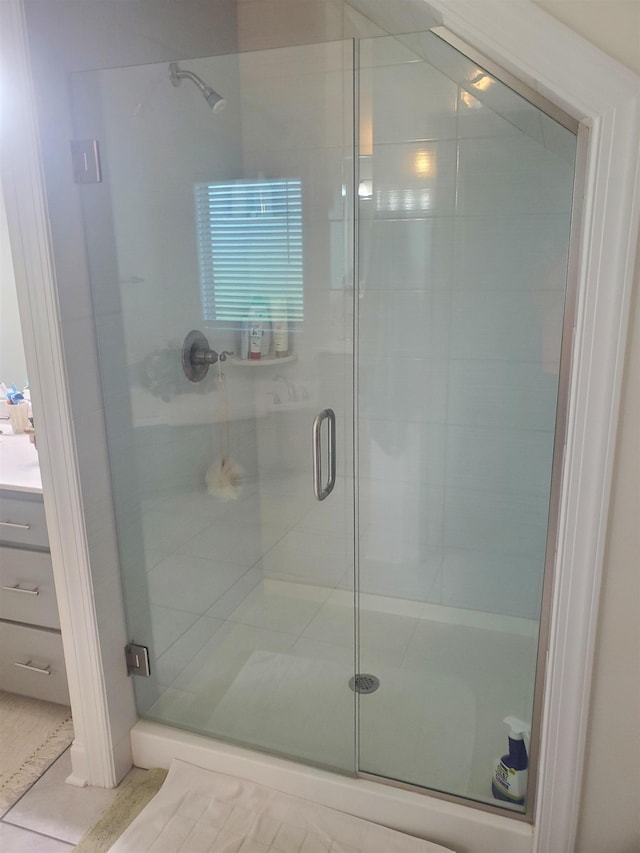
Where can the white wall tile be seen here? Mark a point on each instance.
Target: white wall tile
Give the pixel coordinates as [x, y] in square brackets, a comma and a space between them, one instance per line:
[394, 451]
[494, 583]
[509, 395]
[402, 390]
[404, 187]
[413, 574]
[499, 460]
[512, 175]
[494, 522]
[409, 323]
[406, 254]
[476, 118]
[523, 253]
[512, 326]
[411, 101]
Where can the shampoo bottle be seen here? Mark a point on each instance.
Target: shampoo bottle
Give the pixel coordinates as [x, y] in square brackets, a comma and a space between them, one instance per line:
[509, 781]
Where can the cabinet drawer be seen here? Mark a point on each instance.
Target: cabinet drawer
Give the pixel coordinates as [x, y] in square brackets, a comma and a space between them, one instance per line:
[26, 588]
[22, 520]
[32, 663]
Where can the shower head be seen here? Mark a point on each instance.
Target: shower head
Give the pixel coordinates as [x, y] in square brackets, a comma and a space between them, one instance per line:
[215, 101]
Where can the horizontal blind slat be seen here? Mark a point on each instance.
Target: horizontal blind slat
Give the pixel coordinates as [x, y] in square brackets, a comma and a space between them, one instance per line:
[250, 246]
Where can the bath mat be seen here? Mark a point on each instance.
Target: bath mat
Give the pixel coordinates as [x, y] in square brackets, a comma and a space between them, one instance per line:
[33, 734]
[133, 795]
[199, 811]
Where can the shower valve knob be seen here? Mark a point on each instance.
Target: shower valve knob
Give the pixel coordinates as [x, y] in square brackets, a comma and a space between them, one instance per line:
[197, 356]
[209, 356]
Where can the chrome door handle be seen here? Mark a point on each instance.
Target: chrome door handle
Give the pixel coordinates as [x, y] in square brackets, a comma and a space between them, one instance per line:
[15, 525]
[321, 492]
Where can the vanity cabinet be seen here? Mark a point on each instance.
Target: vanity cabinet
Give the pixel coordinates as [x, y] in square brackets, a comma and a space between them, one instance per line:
[31, 656]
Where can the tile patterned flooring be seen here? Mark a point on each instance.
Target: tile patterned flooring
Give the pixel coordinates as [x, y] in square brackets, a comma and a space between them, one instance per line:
[52, 817]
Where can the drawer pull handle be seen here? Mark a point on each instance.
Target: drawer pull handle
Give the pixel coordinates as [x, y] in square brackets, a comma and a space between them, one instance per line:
[46, 670]
[15, 525]
[18, 588]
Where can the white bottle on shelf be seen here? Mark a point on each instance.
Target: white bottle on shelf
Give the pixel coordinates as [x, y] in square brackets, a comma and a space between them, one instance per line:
[279, 321]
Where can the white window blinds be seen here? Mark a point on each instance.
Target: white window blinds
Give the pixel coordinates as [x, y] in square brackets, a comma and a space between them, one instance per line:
[250, 247]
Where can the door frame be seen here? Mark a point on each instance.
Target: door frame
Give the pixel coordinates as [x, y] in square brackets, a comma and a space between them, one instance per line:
[599, 93]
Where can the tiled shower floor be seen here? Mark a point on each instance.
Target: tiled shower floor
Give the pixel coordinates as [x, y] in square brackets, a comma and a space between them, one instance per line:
[253, 634]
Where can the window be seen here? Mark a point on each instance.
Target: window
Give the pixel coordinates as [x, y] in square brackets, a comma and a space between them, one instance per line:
[250, 247]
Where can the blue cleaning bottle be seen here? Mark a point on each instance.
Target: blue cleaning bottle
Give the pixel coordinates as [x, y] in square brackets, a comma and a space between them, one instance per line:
[509, 781]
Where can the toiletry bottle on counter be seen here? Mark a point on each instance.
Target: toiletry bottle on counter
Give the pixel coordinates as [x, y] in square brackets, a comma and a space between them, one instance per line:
[509, 781]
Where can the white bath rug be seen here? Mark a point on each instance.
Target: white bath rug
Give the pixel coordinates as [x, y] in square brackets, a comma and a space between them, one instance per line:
[199, 811]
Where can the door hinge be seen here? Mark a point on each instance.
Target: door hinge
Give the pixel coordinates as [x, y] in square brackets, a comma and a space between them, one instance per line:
[85, 157]
[137, 658]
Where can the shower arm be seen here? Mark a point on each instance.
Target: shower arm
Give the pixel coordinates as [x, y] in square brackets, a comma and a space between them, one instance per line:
[176, 74]
[213, 98]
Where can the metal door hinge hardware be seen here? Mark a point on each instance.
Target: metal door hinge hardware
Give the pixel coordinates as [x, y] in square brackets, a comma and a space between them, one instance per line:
[137, 658]
[85, 156]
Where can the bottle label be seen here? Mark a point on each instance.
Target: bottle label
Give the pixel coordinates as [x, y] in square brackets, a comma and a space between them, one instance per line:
[509, 784]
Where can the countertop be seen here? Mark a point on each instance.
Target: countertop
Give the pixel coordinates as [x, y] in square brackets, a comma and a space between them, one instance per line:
[19, 467]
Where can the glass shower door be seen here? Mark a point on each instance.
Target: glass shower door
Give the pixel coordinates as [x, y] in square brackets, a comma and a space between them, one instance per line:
[464, 207]
[235, 223]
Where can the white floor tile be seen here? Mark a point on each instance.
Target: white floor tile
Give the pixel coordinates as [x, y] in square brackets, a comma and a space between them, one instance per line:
[167, 625]
[233, 542]
[13, 839]
[59, 810]
[384, 636]
[215, 667]
[308, 556]
[236, 594]
[179, 655]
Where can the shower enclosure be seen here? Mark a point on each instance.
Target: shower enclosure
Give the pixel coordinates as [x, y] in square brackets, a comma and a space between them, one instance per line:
[373, 237]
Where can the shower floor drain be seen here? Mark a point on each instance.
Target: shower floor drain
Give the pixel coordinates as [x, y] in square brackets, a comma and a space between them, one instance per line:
[364, 682]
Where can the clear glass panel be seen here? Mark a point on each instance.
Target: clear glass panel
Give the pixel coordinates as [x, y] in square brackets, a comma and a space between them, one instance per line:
[465, 201]
[233, 222]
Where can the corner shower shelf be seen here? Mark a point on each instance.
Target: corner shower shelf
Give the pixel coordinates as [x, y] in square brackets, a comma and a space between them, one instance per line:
[262, 362]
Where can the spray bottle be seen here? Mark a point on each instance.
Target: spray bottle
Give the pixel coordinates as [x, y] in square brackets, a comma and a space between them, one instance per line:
[509, 781]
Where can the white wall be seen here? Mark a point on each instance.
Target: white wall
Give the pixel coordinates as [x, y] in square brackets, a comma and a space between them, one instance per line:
[12, 362]
[610, 819]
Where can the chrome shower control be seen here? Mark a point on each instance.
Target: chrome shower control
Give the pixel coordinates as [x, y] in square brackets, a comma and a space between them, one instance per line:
[197, 357]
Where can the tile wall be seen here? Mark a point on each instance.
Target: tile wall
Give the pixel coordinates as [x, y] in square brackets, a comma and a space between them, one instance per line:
[463, 259]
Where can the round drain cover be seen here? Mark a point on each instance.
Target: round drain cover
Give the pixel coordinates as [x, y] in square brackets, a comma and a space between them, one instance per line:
[364, 682]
